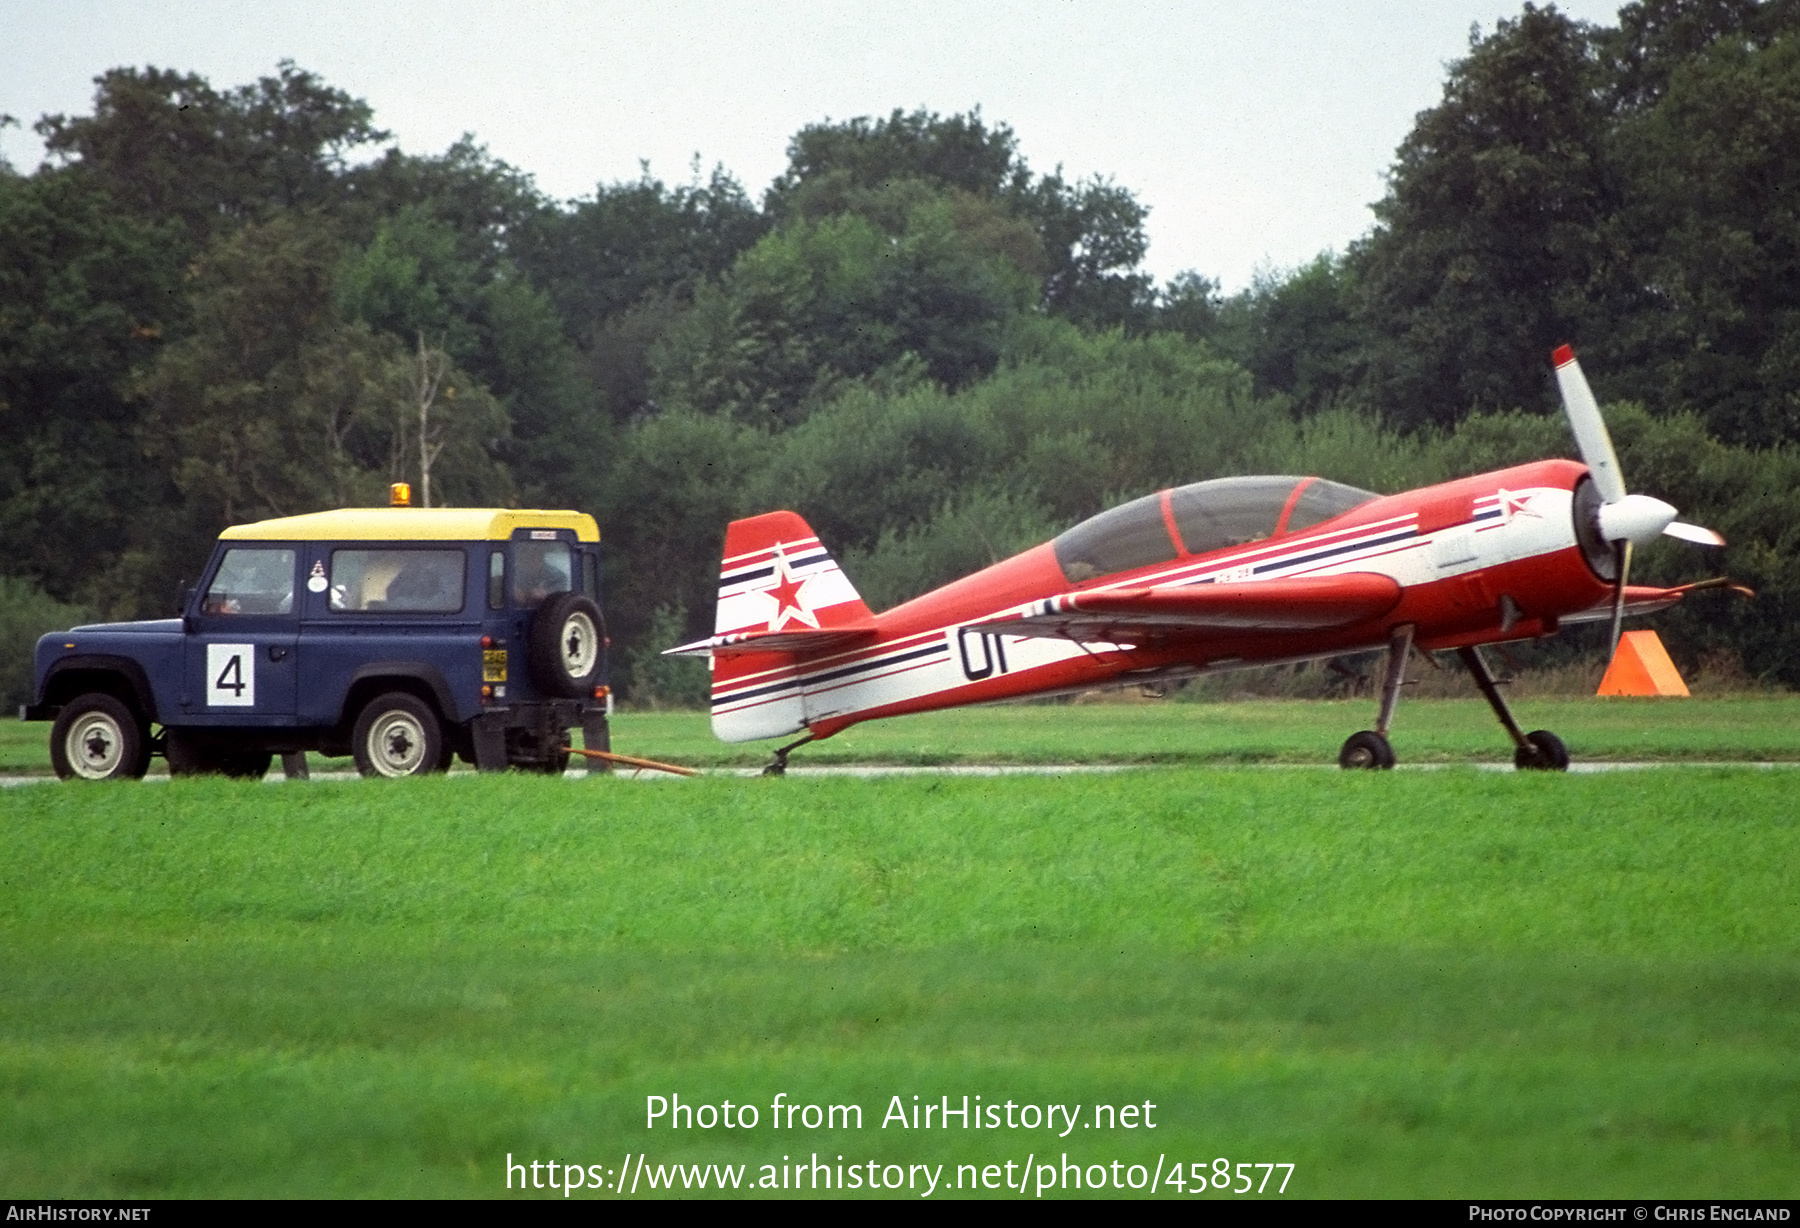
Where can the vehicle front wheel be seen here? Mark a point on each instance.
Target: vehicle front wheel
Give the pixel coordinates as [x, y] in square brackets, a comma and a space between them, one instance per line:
[398, 735]
[96, 737]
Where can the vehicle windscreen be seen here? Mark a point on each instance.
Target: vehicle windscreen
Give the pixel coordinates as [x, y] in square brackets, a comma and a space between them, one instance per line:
[252, 581]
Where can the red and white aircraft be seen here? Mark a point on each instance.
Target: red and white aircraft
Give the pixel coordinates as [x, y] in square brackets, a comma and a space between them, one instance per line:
[1213, 576]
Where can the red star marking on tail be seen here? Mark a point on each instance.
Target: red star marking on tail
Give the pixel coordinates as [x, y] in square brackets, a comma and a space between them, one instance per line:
[787, 594]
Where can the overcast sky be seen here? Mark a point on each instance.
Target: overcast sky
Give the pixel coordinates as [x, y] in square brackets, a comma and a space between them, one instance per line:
[1258, 131]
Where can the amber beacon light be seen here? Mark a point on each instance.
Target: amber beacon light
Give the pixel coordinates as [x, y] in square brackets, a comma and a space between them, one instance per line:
[400, 494]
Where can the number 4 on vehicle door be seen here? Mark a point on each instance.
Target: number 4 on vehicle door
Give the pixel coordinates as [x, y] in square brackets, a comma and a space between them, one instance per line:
[231, 675]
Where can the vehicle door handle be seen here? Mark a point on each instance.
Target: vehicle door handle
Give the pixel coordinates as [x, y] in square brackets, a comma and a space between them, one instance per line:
[277, 652]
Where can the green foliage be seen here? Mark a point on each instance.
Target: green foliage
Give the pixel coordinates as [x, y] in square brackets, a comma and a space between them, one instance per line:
[1088, 237]
[654, 681]
[85, 294]
[1490, 236]
[167, 145]
[27, 612]
[1624, 189]
[816, 303]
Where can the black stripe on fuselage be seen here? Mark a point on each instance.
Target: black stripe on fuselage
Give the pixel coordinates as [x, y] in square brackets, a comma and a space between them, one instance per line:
[835, 675]
[1334, 551]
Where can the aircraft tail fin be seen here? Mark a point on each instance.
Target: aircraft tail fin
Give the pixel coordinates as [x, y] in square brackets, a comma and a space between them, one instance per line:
[782, 596]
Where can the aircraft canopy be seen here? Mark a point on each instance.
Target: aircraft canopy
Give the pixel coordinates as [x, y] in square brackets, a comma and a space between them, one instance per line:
[1207, 516]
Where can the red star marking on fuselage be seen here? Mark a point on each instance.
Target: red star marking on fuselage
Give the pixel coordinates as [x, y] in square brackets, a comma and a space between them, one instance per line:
[786, 592]
[1515, 505]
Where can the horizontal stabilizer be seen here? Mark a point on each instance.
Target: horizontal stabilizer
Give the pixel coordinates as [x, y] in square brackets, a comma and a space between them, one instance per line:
[799, 642]
[1309, 603]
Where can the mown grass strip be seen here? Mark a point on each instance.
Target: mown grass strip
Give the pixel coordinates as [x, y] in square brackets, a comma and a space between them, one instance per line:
[1452, 983]
[1754, 727]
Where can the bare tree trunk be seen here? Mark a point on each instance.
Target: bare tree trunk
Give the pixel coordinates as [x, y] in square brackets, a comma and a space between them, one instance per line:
[432, 366]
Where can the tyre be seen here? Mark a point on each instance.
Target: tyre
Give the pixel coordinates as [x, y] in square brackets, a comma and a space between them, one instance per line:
[1547, 753]
[96, 737]
[1366, 750]
[398, 735]
[567, 645]
[192, 754]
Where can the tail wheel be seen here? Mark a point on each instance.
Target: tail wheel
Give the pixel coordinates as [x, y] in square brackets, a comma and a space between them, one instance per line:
[568, 645]
[398, 735]
[1366, 750]
[1547, 753]
[96, 737]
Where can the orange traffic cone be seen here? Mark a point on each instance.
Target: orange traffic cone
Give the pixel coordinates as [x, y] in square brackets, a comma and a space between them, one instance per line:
[1641, 666]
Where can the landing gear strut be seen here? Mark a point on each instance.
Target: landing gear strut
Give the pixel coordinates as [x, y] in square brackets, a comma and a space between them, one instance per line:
[778, 765]
[1370, 748]
[1539, 750]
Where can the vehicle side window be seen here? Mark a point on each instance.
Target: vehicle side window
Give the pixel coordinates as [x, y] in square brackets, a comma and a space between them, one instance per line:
[497, 580]
[590, 576]
[397, 581]
[252, 581]
[1130, 535]
[540, 570]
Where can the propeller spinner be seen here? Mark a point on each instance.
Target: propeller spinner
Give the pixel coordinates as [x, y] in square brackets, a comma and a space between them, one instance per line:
[1625, 519]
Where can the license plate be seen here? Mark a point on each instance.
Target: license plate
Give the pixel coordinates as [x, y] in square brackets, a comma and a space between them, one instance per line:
[493, 665]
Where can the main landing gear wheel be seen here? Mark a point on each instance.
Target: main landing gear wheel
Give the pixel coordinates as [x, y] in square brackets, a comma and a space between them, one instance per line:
[1547, 753]
[1367, 749]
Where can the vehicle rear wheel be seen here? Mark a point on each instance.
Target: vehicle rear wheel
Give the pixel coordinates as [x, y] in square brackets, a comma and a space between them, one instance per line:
[398, 735]
[568, 642]
[96, 737]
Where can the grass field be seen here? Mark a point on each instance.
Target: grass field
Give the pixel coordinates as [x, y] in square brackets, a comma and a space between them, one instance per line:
[1755, 727]
[1452, 983]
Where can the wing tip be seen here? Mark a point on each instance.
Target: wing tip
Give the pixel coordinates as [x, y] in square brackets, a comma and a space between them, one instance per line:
[1563, 355]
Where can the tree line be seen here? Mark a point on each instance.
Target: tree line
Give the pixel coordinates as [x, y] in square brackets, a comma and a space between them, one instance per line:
[223, 305]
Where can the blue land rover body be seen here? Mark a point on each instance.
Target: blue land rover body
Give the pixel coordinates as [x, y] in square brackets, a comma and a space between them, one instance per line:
[401, 636]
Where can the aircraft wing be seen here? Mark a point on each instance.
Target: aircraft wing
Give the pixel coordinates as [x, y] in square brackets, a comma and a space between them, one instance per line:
[1131, 615]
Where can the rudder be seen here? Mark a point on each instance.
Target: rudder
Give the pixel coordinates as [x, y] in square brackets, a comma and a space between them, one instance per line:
[781, 588]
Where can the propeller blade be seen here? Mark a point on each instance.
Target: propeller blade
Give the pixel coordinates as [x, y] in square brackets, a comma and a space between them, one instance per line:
[1693, 533]
[1589, 427]
[1622, 560]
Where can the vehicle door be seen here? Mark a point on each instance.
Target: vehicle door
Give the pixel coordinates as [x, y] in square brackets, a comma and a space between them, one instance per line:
[242, 633]
[392, 608]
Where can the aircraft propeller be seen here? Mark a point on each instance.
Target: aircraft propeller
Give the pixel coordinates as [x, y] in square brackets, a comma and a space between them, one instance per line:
[1625, 519]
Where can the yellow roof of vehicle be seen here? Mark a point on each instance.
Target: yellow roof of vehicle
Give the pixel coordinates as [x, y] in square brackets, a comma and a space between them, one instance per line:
[397, 524]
